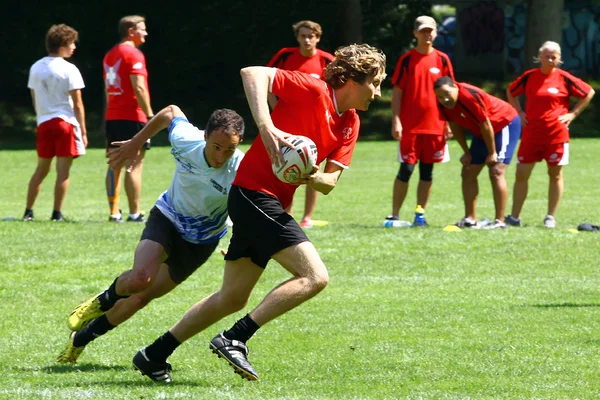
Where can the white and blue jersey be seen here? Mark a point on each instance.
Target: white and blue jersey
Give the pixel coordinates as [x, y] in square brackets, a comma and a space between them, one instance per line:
[196, 201]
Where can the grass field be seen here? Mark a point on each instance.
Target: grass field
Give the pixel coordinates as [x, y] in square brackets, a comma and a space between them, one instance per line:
[409, 313]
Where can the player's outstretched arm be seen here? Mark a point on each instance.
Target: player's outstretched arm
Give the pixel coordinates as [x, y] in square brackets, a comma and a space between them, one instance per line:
[129, 149]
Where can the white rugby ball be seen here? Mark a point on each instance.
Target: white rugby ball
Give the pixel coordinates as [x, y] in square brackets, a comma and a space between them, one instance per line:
[297, 161]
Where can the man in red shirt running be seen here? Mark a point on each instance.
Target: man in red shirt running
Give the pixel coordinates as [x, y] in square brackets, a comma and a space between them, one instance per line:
[416, 119]
[305, 58]
[496, 129]
[323, 110]
[546, 123]
[128, 110]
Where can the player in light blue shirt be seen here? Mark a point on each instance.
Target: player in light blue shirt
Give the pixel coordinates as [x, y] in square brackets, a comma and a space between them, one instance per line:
[183, 228]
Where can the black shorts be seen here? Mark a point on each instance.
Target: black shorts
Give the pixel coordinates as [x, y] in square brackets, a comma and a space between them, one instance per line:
[261, 227]
[183, 257]
[122, 130]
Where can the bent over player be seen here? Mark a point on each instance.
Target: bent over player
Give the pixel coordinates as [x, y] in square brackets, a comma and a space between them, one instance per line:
[183, 228]
[262, 230]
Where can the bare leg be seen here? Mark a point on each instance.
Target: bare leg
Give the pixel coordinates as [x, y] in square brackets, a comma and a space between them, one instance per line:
[499, 189]
[470, 188]
[555, 188]
[133, 183]
[423, 193]
[35, 183]
[239, 279]
[63, 166]
[126, 308]
[309, 278]
[399, 195]
[521, 188]
[148, 259]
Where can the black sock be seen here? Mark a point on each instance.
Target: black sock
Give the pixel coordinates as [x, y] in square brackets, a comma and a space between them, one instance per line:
[95, 329]
[56, 214]
[242, 330]
[109, 297]
[162, 348]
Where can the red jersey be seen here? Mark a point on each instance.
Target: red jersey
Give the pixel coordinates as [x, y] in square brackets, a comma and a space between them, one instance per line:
[415, 74]
[119, 63]
[547, 99]
[291, 59]
[474, 106]
[306, 107]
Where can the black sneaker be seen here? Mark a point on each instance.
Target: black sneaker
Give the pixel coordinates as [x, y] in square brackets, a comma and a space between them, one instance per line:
[57, 217]
[236, 354]
[140, 218]
[156, 371]
[28, 215]
[588, 227]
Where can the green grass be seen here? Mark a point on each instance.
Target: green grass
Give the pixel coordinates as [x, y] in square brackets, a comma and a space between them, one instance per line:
[408, 314]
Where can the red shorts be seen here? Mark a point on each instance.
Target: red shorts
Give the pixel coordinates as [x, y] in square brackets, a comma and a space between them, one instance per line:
[554, 154]
[427, 149]
[56, 137]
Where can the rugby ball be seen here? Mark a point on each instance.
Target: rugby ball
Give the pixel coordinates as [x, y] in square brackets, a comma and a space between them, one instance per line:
[297, 161]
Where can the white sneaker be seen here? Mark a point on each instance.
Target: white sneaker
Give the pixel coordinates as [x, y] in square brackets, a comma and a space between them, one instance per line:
[497, 224]
[549, 222]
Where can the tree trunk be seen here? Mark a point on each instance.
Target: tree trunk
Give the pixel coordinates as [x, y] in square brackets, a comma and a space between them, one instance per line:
[544, 22]
[351, 27]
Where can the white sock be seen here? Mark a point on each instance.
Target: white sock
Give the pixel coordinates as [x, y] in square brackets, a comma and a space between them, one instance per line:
[134, 216]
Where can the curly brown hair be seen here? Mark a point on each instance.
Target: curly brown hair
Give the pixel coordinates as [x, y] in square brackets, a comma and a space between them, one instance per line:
[58, 36]
[356, 62]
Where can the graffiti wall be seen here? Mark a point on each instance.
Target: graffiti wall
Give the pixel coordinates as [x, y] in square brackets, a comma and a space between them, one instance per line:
[489, 28]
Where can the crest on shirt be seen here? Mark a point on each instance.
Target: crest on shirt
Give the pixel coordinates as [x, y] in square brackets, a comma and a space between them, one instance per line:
[347, 132]
[553, 156]
[112, 79]
[553, 90]
[434, 70]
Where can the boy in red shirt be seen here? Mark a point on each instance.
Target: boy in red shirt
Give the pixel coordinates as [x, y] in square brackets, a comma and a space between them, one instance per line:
[416, 119]
[496, 129]
[546, 123]
[305, 58]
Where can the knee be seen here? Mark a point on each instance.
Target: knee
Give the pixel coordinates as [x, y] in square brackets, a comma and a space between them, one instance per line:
[496, 174]
[426, 172]
[138, 282]
[319, 280]
[405, 172]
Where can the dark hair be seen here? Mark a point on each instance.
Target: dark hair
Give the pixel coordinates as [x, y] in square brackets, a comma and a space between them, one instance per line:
[443, 80]
[58, 36]
[228, 120]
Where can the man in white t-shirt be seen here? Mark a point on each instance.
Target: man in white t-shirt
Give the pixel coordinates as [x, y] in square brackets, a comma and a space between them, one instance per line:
[55, 86]
[184, 227]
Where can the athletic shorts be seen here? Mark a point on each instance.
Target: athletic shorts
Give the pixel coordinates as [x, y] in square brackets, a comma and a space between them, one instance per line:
[183, 257]
[554, 154]
[122, 130]
[59, 138]
[506, 142]
[261, 227]
[428, 149]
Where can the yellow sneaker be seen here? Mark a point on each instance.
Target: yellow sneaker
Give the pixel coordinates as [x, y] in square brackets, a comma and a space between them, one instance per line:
[85, 313]
[71, 353]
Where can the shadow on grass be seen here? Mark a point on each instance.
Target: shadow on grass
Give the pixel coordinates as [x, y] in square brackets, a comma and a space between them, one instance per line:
[563, 305]
[142, 381]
